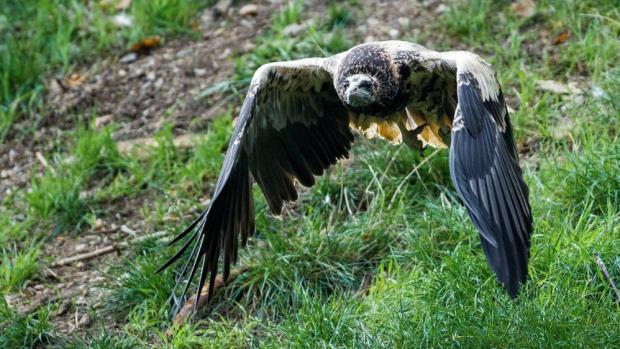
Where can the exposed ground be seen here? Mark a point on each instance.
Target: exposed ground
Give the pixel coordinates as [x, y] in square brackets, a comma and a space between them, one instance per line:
[121, 151]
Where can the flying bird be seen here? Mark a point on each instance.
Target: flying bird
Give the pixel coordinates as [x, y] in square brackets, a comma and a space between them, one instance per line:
[298, 119]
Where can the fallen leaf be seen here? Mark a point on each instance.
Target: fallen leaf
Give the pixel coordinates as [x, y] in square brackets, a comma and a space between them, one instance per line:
[558, 87]
[524, 8]
[561, 38]
[75, 80]
[146, 44]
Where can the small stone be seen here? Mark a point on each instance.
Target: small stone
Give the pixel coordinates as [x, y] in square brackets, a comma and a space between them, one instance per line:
[248, 24]
[122, 73]
[39, 287]
[293, 29]
[150, 76]
[394, 33]
[12, 155]
[222, 7]
[159, 83]
[248, 46]
[404, 22]
[99, 123]
[98, 280]
[122, 20]
[81, 300]
[184, 52]
[128, 58]
[84, 320]
[62, 308]
[84, 290]
[98, 222]
[125, 229]
[227, 52]
[563, 128]
[81, 247]
[200, 72]
[80, 265]
[599, 93]
[558, 87]
[11, 299]
[248, 10]
[441, 8]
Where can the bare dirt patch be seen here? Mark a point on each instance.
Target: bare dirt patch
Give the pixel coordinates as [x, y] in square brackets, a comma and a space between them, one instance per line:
[160, 86]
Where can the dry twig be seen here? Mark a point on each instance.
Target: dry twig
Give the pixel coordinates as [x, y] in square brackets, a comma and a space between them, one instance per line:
[603, 268]
[44, 162]
[106, 250]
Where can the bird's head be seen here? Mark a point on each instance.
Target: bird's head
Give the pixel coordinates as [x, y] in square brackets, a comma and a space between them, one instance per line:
[360, 90]
[367, 80]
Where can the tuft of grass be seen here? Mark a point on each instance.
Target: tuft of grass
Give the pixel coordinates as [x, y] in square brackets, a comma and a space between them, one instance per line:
[339, 15]
[469, 19]
[17, 267]
[24, 331]
[103, 340]
[590, 176]
[138, 292]
[165, 17]
[59, 195]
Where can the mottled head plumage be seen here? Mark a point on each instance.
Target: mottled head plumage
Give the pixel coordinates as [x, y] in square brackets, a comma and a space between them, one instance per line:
[367, 80]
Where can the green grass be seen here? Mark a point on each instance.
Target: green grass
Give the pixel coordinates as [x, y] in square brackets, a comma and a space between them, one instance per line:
[43, 37]
[374, 255]
[17, 267]
[24, 331]
[58, 194]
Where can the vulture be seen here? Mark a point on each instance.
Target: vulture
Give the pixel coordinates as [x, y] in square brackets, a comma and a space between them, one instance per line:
[298, 119]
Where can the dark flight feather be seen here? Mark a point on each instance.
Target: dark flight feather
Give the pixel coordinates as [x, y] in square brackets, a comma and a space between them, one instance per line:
[284, 133]
[486, 174]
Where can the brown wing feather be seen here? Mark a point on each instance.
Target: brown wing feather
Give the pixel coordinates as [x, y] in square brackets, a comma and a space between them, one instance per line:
[291, 127]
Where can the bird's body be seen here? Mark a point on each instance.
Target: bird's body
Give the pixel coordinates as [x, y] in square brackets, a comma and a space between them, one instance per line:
[297, 120]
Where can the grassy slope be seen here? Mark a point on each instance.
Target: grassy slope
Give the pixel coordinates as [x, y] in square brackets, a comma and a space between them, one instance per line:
[360, 263]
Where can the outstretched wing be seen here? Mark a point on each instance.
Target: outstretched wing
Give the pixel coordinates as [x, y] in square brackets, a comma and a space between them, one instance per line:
[292, 126]
[485, 170]
[484, 164]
